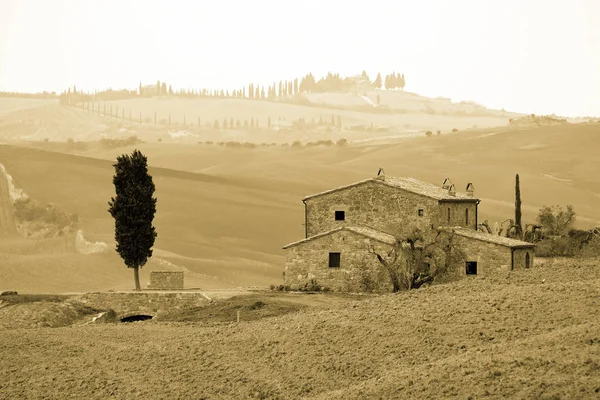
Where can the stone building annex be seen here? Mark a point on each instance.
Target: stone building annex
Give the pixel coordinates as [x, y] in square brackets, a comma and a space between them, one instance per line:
[342, 223]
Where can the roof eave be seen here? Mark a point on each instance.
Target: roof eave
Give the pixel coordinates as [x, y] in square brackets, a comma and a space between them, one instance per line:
[287, 246]
[459, 200]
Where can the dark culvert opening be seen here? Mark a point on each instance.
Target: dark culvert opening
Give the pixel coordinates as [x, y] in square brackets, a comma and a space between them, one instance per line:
[135, 318]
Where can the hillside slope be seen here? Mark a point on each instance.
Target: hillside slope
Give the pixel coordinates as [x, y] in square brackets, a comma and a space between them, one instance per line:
[556, 164]
[224, 231]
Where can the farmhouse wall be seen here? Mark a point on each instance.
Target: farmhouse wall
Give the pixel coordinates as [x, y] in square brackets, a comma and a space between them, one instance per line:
[166, 280]
[370, 204]
[458, 215]
[359, 270]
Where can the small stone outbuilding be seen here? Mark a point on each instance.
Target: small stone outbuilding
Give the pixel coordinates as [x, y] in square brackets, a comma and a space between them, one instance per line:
[343, 223]
[166, 280]
[487, 253]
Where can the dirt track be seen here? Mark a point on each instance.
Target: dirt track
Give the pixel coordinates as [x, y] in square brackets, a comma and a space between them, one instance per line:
[529, 334]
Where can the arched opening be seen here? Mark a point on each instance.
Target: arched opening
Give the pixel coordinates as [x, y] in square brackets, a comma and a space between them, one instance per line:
[135, 318]
[527, 260]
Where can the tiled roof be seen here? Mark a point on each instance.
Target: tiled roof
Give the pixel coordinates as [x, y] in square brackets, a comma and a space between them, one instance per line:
[408, 184]
[487, 237]
[361, 230]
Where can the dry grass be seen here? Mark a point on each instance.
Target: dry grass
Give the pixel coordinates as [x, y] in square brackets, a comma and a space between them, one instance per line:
[528, 334]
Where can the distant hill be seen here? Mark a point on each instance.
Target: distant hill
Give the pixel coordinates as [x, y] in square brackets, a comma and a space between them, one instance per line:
[311, 117]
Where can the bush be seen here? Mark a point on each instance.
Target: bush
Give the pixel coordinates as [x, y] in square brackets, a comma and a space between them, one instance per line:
[454, 130]
[439, 132]
[342, 142]
[116, 143]
[297, 145]
[428, 133]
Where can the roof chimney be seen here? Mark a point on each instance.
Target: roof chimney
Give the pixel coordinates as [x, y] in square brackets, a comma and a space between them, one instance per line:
[446, 185]
[452, 190]
[470, 189]
[380, 175]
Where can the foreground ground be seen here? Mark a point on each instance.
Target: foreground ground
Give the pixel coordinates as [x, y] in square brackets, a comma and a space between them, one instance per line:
[531, 334]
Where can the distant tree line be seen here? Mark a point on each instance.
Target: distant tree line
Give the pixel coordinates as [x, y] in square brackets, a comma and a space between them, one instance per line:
[39, 95]
[284, 88]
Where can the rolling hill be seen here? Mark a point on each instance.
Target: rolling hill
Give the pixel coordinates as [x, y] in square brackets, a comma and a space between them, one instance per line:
[224, 213]
[400, 113]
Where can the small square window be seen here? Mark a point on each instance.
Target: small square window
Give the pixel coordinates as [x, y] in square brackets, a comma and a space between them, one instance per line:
[334, 260]
[471, 267]
[340, 215]
[420, 212]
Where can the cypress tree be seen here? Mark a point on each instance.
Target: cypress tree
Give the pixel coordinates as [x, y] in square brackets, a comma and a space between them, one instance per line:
[518, 225]
[133, 209]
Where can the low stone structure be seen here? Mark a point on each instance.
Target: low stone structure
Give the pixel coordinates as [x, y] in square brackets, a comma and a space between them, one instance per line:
[487, 254]
[166, 280]
[153, 303]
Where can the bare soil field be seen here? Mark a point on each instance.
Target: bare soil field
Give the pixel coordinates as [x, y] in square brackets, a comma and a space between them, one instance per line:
[531, 334]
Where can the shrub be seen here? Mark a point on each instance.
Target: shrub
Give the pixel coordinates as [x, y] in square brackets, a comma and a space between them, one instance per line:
[428, 133]
[454, 130]
[342, 142]
[297, 145]
[439, 132]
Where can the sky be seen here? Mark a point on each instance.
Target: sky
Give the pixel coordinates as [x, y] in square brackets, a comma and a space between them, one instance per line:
[530, 56]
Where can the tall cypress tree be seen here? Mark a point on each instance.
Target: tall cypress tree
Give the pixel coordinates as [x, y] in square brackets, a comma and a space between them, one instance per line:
[133, 209]
[518, 225]
[377, 82]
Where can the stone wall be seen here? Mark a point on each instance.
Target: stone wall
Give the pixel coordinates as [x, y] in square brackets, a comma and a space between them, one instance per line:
[141, 302]
[370, 204]
[458, 215]
[166, 280]
[359, 270]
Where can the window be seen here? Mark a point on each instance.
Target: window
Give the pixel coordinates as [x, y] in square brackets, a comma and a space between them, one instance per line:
[340, 215]
[448, 215]
[471, 267]
[467, 217]
[334, 260]
[420, 212]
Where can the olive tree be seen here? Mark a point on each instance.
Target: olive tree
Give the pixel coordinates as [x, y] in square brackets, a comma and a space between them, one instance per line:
[419, 256]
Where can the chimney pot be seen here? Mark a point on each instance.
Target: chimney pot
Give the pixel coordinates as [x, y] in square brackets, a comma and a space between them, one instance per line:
[452, 190]
[446, 184]
[470, 189]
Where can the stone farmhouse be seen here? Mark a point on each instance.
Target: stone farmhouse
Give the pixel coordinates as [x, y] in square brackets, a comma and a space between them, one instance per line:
[342, 223]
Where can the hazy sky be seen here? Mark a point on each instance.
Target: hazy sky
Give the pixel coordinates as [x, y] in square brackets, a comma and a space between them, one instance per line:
[540, 56]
